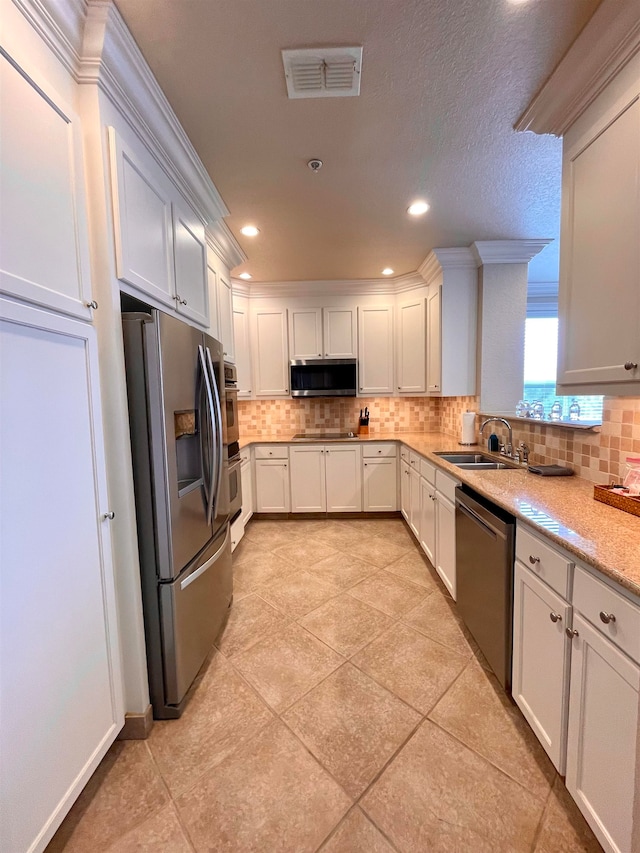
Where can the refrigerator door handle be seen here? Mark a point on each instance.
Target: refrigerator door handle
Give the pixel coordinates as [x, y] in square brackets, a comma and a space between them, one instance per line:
[209, 489]
[219, 437]
[203, 568]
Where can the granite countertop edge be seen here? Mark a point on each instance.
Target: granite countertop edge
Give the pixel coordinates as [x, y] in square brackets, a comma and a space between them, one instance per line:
[601, 536]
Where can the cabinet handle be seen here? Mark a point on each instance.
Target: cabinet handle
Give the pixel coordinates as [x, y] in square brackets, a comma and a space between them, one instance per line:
[555, 617]
[630, 365]
[93, 304]
[109, 516]
[533, 560]
[607, 617]
[571, 633]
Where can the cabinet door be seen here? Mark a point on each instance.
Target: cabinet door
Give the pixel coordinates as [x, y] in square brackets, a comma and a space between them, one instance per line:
[305, 332]
[411, 347]
[344, 478]
[45, 257]
[340, 333]
[540, 617]
[414, 502]
[271, 365]
[60, 700]
[600, 243]
[225, 318]
[380, 483]
[241, 345]
[272, 485]
[308, 484]
[190, 257]
[375, 348]
[405, 492]
[142, 223]
[446, 542]
[428, 520]
[603, 729]
[247, 492]
[214, 317]
[434, 340]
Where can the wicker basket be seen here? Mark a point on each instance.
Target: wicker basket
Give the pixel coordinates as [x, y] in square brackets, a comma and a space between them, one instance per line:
[623, 502]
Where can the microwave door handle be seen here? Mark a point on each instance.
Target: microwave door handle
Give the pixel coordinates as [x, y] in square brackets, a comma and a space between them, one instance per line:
[209, 494]
[218, 438]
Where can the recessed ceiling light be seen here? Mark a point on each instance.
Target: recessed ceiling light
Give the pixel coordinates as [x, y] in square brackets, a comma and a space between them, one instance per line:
[250, 231]
[387, 271]
[245, 275]
[418, 208]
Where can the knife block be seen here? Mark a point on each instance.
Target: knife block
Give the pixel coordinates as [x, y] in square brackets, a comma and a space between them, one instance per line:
[363, 429]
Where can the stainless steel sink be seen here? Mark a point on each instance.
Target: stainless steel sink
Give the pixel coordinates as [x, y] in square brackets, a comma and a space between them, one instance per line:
[473, 461]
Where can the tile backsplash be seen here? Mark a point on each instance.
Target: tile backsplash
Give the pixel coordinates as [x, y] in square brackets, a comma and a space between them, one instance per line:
[597, 455]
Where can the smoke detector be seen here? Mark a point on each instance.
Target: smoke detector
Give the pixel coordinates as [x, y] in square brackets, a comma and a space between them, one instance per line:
[323, 72]
[315, 165]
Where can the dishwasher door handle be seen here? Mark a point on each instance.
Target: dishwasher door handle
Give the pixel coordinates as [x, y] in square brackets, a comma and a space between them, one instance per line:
[480, 521]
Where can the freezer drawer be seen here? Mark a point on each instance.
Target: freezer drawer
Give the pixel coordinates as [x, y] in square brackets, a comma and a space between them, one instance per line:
[192, 611]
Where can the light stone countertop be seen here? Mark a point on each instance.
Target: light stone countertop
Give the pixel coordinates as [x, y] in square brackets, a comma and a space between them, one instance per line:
[561, 508]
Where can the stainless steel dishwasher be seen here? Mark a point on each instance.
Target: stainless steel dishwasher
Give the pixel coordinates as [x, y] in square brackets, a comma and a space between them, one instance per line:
[484, 577]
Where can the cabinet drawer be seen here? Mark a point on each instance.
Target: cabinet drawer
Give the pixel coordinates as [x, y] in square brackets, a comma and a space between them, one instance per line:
[446, 485]
[271, 451]
[377, 451]
[404, 453]
[544, 561]
[428, 471]
[414, 461]
[598, 602]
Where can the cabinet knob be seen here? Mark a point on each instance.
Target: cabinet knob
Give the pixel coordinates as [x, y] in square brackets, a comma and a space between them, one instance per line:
[571, 633]
[607, 617]
[326, 355]
[379, 451]
[93, 304]
[365, 464]
[319, 355]
[109, 516]
[533, 560]
[555, 617]
[434, 498]
[398, 388]
[630, 365]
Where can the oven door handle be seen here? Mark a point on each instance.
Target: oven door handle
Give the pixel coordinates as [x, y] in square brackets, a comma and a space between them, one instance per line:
[218, 436]
[491, 531]
[209, 490]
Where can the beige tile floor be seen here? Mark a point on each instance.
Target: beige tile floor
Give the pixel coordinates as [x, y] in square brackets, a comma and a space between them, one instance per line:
[345, 709]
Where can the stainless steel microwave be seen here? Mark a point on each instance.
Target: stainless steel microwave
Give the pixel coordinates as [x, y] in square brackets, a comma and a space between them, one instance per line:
[324, 377]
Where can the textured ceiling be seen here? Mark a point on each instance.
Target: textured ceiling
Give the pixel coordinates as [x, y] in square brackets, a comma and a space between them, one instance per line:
[442, 84]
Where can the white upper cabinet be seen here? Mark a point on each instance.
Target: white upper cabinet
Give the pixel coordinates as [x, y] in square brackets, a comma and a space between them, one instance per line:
[305, 332]
[190, 253]
[375, 350]
[599, 299]
[45, 256]
[434, 341]
[242, 344]
[411, 346]
[340, 333]
[143, 223]
[270, 352]
[225, 317]
[322, 332]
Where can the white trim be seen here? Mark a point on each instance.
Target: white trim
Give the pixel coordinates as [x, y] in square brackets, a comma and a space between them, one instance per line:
[507, 251]
[224, 244]
[439, 259]
[606, 44]
[111, 60]
[59, 25]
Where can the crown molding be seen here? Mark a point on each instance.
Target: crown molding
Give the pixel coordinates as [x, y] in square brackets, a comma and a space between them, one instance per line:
[606, 44]
[439, 259]
[59, 25]
[240, 287]
[350, 287]
[408, 281]
[224, 244]
[111, 60]
[507, 251]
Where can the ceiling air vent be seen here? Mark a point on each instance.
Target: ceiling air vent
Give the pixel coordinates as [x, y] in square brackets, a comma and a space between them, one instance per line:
[323, 72]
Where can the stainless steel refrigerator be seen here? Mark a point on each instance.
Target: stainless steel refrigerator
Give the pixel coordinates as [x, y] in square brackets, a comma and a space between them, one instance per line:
[175, 389]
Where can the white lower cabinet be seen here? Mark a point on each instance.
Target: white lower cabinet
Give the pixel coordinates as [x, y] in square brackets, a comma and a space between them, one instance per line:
[380, 478]
[247, 486]
[326, 478]
[405, 490]
[428, 519]
[60, 702]
[272, 479]
[541, 654]
[446, 530]
[414, 499]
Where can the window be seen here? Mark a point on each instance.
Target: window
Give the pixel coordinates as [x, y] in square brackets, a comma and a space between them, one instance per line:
[540, 357]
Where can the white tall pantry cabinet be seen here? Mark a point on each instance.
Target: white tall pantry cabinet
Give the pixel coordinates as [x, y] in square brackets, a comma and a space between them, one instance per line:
[61, 679]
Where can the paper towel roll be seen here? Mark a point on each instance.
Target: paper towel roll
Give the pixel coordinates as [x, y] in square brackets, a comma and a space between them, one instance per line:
[468, 428]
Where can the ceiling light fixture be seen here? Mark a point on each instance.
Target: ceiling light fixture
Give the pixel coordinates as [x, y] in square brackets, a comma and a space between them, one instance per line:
[245, 275]
[250, 231]
[387, 271]
[418, 208]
